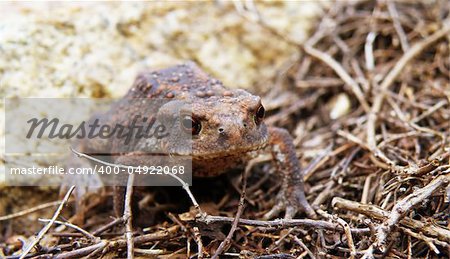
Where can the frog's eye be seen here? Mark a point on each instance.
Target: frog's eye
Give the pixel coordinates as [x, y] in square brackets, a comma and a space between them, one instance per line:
[259, 115]
[190, 125]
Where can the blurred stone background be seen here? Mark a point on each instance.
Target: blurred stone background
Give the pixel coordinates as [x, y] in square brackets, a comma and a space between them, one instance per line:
[95, 50]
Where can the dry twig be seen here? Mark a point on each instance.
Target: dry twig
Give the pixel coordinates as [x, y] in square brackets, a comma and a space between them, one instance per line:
[30, 210]
[47, 227]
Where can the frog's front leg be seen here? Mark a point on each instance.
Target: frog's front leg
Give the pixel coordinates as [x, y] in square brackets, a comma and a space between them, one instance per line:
[292, 195]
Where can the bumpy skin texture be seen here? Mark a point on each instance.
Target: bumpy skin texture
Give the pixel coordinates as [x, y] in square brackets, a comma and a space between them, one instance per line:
[230, 134]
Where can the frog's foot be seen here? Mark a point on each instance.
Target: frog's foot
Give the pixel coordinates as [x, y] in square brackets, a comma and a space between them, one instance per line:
[290, 203]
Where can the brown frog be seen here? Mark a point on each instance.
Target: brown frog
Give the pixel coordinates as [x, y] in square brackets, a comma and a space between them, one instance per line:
[227, 127]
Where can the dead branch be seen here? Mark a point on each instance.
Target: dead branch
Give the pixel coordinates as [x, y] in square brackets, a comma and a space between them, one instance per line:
[30, 210]
[47, 227]
[128, 217]
[377, 213]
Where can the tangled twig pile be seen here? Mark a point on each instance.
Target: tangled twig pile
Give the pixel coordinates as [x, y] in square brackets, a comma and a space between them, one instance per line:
[385, 164]
[371, 112]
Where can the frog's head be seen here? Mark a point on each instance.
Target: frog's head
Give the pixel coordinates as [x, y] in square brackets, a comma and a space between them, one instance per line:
[226, 125]
[203, 118]
[218, 124]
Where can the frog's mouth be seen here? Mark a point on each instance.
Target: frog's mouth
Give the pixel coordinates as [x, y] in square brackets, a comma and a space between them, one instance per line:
[215, 153]
[236, 151]
[201, 152]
